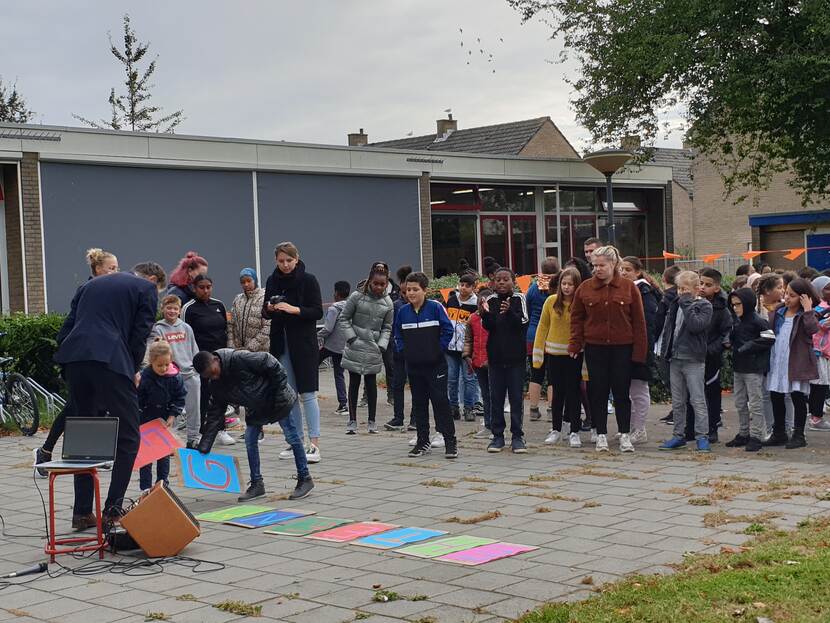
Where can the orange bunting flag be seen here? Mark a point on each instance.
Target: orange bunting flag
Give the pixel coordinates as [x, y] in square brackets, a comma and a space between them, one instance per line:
[749, 255]
[445, 292]
[671, 256]
[524, 282]
[794, 254]
[708, 259]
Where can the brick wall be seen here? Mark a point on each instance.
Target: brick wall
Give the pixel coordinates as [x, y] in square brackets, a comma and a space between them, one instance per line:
[550, 142]
[13, 246]
[682, 218]
[426, 225]
[33, 244]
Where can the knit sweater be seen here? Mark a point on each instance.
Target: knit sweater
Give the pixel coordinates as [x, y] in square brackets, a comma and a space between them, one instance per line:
[553, 332]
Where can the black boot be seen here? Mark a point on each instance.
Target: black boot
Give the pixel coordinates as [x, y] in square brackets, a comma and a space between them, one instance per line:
[303, 488]
[753, 445]
[778, 438]
[738, 442]
[797, 440]
[256, 489]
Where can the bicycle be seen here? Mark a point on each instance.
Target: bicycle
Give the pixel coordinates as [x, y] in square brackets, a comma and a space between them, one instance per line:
[17, 399]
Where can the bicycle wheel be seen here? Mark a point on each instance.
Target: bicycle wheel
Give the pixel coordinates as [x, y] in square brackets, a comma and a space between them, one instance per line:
[22, 404]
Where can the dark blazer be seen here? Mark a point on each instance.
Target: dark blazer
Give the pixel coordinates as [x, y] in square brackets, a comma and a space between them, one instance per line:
[109, 322]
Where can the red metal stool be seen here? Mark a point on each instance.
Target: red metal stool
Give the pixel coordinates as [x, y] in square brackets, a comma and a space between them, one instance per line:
[79, 543]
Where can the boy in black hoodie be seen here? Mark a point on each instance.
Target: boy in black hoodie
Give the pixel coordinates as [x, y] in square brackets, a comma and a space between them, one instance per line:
[751, 340]
[669, 297]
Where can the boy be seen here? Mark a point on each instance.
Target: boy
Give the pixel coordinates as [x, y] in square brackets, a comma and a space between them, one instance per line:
[684, 346]
[461, 304]
[259, 383]
[669, 296]
[475, 356]
[179, 336]
[537, 294]
[422, 332]
[333, 342]
[751, 340]
[717, 336]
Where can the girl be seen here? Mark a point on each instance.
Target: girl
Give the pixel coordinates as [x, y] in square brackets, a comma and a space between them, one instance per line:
[294, 305]
[101, 262]
[505, 318]
[366, 322]
[248, 330]
[551, 349]
[821, 347]
[770, 291]
[632, 269]
[608, 324]
[792, 362]
[182, 277]
[475, 356]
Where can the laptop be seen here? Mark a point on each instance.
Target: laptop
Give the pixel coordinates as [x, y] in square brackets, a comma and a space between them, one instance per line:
[87, 442]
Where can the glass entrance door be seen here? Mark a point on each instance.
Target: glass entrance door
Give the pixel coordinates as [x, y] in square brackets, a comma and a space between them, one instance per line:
[523, 243]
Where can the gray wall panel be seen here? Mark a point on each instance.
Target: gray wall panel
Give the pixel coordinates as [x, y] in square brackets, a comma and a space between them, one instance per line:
[341, 224]
[144, 214]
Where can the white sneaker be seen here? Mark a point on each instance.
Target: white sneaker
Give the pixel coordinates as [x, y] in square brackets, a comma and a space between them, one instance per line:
[639, 436]
[594, 435]
[625, 443]
[288, 453]
[553, 437]
[413, 441]
[437, 441]
[610, 407]
[574, 440]
[617, 435]
[312, 454]
[224, 439]
[602, 443]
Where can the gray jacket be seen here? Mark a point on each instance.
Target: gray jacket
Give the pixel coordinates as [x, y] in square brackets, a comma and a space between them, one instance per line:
[689, 343]
[331, 334]
[366, 323]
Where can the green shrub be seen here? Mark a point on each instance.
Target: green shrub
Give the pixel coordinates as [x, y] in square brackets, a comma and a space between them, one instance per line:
[30, 339]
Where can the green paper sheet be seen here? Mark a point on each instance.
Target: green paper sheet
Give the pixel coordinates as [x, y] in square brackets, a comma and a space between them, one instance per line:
[232, 512]
[442, 547]
[306, 525]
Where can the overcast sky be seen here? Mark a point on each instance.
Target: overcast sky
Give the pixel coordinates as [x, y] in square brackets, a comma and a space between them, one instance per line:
[309, 71]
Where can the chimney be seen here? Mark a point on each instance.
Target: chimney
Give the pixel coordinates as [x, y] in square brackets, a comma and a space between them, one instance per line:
[359, 139]
[631, 142]
[446, 126]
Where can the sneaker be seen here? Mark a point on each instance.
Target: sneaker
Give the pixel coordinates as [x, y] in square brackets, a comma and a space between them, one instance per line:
[602, 443]
[703, 445]
[351, 427]
[342, 410]
[230, 422]
[411, 427]
[625, 443]
[535, 415]
[303, 488]
[593, 435]
[363, 402]
[753, 445]
[413, 441]
[553, 437]
[192, 445]
[182, 425]
[777, 439]
[478, 409]
[224, 439]
[639, 436]
[668, 418]
[420, 450]
[484, 433]
[286, 454]
[451, 450]
[437, 441]
[496, 444]
[610, 407]
[256, 489]
[796, 441]
[517, 445]
[372, 427]
[456, 412]
[738, 442]
[574, 441]
[713, 437]
[394, 425]
[675, 443]
[585, 426]
[389, 400]
[312, 454]
[41, 456]
[819, 425]
[469, 415]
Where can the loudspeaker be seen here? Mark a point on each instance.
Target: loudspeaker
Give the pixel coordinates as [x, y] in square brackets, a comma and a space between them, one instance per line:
[160, 523]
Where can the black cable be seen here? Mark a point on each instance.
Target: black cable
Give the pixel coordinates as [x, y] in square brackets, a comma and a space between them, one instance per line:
[45, 517]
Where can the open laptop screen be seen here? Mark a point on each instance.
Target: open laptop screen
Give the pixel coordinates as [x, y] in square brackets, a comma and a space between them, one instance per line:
[90, 439]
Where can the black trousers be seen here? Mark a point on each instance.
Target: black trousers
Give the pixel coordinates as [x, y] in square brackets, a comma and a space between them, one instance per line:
[95, 390]
[56, 431]
[818, 394]
[398, 385]
[779, 412]
[565, 376]
[609, 368]
[429, 385]
[371, 390]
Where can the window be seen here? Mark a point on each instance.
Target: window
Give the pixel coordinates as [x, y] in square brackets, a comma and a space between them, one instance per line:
[453, 238]
[523, 229]
[494, 238]
[576, 199]
[453, 197]
[506, 199]
[630, 233]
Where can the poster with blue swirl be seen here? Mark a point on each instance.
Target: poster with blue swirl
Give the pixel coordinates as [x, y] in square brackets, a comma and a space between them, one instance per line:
[212, 472]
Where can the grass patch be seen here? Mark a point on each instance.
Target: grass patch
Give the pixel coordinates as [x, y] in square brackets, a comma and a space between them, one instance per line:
[755, 528]
[592, 470]
[240, 608]
[543, 478]
[384, 596]
[552, 496]
[442, 484]
[421, 465]
[478, 489]
[156, 616]
[475, 519]
[542, 509]
[779, 576]
[426, 620]
[481, 480]
[700, 501]
[721, 518]
[361, 615]
[186, 597]
[591, 504]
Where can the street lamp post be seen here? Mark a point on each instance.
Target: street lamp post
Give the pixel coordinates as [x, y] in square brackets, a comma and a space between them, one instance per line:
[608, 162]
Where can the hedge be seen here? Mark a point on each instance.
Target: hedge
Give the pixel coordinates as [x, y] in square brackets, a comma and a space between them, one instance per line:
[30, 340]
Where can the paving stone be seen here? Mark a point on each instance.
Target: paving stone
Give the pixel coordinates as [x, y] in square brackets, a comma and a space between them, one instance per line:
[324, 614]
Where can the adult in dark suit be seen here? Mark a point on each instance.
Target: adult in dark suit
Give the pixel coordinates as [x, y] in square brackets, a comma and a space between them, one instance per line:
[101, 346]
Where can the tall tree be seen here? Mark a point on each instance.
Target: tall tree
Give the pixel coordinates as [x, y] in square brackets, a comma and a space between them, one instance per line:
[751, 76]
[132, 110]
[13, 107]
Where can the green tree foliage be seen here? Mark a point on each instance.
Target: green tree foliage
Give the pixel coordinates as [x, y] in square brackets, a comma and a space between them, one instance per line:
[751, 76]
[13, 107]
[132, 110]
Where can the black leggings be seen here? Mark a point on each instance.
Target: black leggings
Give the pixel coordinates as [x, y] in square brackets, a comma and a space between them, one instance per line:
[609, 368]
[779, 410]
[371, 394]
[818, 394]
[565, 376]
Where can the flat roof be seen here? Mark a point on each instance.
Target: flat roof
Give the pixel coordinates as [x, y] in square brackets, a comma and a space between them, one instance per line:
[113, 147]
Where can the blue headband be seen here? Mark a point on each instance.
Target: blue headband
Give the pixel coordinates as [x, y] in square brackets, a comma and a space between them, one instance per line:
[249, 272]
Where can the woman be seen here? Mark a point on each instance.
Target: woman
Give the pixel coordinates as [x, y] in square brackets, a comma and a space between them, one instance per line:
[101, 262]
[608, 324]
[294, 305]
[209, 321]
[248, 330]
[181, 279]
[632, 269]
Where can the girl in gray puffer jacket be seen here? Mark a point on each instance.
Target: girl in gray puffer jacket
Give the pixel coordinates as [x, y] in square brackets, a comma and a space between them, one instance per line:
[366, 321]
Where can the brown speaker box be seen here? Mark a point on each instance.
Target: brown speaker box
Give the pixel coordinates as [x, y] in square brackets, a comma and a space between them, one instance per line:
[160, 523]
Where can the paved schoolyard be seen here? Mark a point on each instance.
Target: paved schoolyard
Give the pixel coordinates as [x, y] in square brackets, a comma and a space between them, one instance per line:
[594, 518]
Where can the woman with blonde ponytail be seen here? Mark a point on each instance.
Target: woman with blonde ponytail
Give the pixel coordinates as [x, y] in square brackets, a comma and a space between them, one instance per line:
[101, 262]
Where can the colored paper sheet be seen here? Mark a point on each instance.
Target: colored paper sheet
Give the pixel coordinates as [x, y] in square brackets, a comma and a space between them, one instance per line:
[352, 531]
[303, 526]
[213, 472]
[486, 553]
[268, 518]
[442, 547]
[398, 537]
[157, 442]
[231, 512]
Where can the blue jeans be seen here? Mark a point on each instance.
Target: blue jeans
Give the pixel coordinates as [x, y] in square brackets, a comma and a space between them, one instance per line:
[458, 374]
[311, 407]
[293, 439]
[252, 446]
[509, 381]
[483, 375]
[145, 474]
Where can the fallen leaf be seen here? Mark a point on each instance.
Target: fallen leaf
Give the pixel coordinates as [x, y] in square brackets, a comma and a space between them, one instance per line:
[759, 604]
[376, 586]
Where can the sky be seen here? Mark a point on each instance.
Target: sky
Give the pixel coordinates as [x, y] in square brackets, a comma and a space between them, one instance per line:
[303, 70]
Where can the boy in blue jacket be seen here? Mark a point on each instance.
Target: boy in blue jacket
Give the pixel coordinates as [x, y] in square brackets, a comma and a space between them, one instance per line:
[161, 395]
[422, 332]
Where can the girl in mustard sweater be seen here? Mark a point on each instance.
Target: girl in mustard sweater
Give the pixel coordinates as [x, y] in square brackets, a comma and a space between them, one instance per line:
[550, 348]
